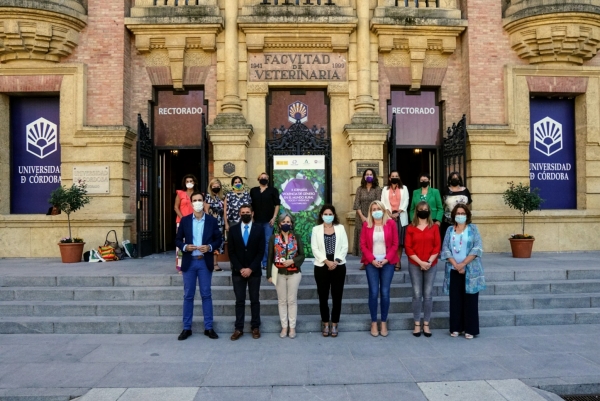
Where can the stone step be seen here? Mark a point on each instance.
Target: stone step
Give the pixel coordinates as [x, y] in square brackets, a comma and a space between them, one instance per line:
[354, 276]
[269, 307]
[268, 291]
[306, 323]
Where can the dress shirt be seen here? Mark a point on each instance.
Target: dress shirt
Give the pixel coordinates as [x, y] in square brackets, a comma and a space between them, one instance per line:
[243, 225]
[198, 229]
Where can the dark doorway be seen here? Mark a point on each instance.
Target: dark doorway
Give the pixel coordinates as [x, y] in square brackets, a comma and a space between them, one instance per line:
[173, 164]
[414, 161]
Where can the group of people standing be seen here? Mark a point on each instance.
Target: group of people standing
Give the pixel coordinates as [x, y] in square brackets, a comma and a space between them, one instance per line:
[431, 229]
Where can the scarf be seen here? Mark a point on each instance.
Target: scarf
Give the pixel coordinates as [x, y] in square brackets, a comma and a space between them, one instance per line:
[285, 251]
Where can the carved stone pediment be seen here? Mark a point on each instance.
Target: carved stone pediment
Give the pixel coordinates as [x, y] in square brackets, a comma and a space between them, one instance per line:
[555, 38]
[417, 48]
[29, 31]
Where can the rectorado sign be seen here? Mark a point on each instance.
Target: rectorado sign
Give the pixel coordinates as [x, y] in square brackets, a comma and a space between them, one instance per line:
[297, 67]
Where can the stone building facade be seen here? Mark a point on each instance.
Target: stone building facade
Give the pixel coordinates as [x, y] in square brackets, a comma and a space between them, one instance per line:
[106, 62]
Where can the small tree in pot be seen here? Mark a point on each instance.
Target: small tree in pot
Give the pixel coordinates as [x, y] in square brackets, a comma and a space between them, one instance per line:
[525, 200]
[69, 200]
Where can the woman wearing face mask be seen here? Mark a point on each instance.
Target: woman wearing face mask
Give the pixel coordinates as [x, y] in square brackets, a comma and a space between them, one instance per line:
[429, 195]
[214, 206]
[395, 199]
[462, 250]
[368, 192]
[235, 198]
[286, 253]
[379, 245]
[453, 195]
[183, 207]
[329, 244]
[422, 248]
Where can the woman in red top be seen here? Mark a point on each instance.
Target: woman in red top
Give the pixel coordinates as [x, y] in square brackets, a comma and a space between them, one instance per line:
[183, 207]
[422, 248]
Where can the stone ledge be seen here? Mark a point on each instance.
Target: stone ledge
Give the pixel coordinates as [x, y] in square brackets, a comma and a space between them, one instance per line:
[417, 16]
[73, 8]
[297, 15]
[529, 8]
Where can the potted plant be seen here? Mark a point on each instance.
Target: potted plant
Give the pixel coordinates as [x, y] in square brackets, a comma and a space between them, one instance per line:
[521, 198]
[69, 200]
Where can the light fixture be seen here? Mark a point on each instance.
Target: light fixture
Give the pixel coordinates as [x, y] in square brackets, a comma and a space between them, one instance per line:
[174, 152]
[417, 151]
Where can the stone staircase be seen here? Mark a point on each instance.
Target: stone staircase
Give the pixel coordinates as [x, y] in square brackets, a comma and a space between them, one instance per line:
[152, 303]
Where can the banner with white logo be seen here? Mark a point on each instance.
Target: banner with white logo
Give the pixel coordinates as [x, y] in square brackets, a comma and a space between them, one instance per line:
[35, 153]
[552, 152]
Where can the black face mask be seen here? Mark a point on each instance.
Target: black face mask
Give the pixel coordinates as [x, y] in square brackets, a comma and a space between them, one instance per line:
[263, 181]
[285, 227]
[423, 214]
[246, 218]
[216, 190]
[454, 182]
[395, 180]
[424, 184]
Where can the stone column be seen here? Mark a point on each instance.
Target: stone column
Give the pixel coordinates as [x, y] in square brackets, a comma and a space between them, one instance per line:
[364, 100]
[231, 101]
[257, 105]
[229, 133]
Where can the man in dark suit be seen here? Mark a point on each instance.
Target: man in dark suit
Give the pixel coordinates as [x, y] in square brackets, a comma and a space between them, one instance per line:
[197, 236]
[246, 244]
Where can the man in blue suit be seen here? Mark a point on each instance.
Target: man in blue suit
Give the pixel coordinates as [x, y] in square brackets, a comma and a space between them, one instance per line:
[197, 236]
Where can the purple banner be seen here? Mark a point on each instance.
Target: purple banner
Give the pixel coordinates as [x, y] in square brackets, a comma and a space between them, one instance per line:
[35, 153]
[552, 152]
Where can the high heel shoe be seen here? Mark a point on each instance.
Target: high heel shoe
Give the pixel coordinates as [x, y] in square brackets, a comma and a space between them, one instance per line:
[374, 331]
[384, 330]
[417, 334]
[426, 334]
[334, 330]
[325, 329]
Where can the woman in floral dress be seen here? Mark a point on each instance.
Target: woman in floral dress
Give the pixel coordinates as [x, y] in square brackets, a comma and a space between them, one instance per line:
[235, 198]
[214, 206]
[368, 192]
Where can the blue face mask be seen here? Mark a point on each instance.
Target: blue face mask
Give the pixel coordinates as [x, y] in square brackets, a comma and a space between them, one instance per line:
[378, 214]
[460, 219]
[328, 219]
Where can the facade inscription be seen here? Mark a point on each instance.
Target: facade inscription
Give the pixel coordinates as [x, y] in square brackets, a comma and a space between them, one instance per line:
[297, 67]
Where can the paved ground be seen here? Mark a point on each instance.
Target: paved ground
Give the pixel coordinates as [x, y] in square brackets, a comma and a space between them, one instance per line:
[310, 367]
[500, 364]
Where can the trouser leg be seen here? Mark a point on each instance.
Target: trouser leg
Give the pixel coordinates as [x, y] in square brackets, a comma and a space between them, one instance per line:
[338, 279]
[254, 292]
[282, 288]
[239, 288]
[322, 278]
[428, 279]
[471, 314]
[373, 278]
[457, 290]
[416, 279]
[204, 281]
[387, 274]
[293, 283]
[190, 277]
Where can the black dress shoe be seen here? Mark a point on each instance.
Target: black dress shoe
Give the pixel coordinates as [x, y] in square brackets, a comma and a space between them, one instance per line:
[211, 334]
[184, 335]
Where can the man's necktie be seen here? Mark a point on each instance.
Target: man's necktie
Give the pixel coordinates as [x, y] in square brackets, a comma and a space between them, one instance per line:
[246, 234]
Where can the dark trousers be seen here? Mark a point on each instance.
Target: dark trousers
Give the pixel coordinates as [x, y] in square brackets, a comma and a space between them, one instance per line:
[239, 288]
[464, 308]
[330, 280]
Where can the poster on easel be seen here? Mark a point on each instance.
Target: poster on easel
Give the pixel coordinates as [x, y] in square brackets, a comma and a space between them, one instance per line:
[300, 181]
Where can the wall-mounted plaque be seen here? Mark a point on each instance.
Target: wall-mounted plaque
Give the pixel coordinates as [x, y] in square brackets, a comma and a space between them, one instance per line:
[229, 168]
[97, 178]
[271, 67]
[362, 166]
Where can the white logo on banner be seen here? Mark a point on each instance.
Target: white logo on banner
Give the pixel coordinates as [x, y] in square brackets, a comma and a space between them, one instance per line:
[297, 111]
[41, 137]
[547, 136]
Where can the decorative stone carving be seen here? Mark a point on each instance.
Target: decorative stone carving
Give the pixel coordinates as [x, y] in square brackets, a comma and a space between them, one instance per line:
[416, 47]
[38, 34]
[552, 38]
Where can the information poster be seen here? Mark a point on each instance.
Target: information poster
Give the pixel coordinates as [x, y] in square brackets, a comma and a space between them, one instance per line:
[300, 181]
[552, 152]
[35, 153]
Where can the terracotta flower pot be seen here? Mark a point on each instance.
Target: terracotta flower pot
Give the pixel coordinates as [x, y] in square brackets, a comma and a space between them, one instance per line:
[521, 248]
[71, 252]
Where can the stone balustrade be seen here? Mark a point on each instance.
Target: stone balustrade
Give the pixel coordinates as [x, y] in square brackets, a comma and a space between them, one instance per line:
[422, 4]
[174, 3]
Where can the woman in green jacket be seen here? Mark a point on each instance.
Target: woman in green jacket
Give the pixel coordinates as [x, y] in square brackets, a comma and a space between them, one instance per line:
[429, 195]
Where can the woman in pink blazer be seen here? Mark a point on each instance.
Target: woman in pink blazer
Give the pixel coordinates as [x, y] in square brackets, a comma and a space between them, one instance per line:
[379, 246]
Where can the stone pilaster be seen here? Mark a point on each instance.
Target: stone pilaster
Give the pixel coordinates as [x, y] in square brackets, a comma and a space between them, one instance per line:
[231, 101]
[230, 137]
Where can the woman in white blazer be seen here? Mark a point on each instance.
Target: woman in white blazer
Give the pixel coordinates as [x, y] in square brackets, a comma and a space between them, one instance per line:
[395, 199]
[329, 244]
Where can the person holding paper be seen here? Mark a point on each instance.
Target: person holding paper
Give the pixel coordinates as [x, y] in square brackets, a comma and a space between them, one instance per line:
[379, 246]
[286, 255]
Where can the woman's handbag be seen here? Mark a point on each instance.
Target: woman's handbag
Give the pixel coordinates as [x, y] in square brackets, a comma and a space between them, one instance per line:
[274, 273]
[114, 244]
[107, 253]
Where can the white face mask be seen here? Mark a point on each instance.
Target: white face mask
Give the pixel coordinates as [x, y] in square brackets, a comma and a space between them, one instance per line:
[198, 206]
[189, 185]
